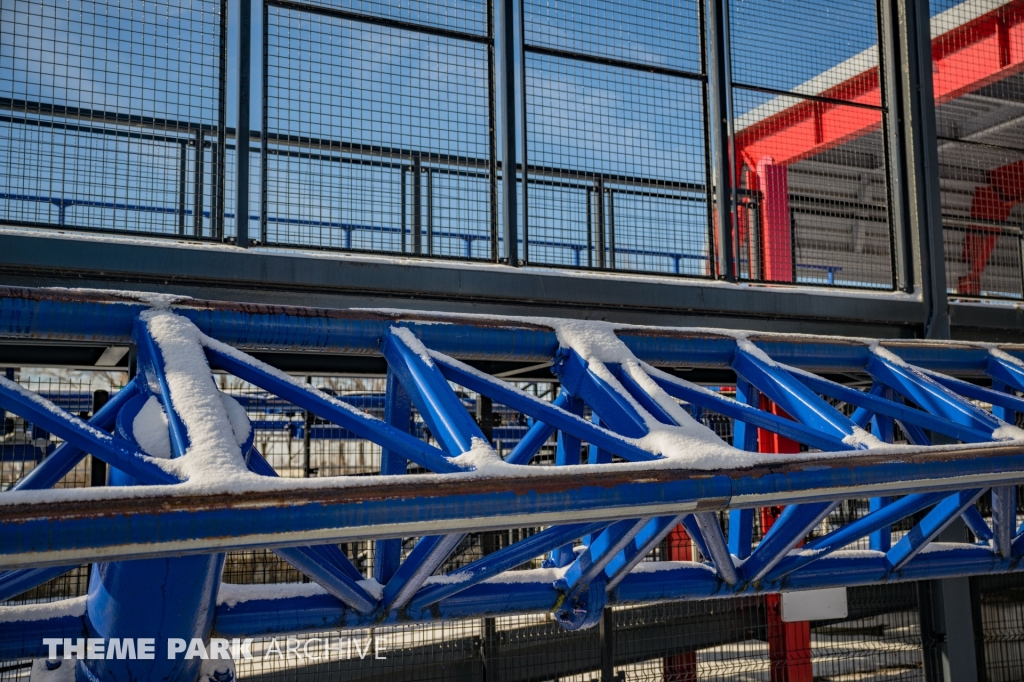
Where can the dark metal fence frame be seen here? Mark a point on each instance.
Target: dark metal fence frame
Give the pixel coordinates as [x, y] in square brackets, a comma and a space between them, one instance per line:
[907, 178]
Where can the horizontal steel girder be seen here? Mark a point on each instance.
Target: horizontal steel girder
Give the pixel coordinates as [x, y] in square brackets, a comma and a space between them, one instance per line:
[165, 524]
[675, 470]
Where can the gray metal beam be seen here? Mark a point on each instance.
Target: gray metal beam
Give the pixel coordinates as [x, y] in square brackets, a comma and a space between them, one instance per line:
[40, 258]
[922, 161]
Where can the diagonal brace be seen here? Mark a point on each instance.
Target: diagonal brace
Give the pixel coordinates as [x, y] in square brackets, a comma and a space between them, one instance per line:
[795, 522]
[441, 409]
[66, 457]
[115, 451]
[541, 410]
[315, 401]
[796, 399]
[500, 561]
[934, 522]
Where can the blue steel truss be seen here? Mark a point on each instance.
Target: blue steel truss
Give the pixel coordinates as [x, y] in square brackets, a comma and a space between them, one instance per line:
[158, 534]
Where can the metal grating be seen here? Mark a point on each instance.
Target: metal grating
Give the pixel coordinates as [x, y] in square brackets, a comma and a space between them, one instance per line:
[113, 115]
[979, 99]
[615, 137]
[378, 137]
[812, 168]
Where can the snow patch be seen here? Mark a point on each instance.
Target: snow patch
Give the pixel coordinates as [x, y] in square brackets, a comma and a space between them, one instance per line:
[534, 575]
[415, 345]
[150, 429]
[231, 594]
[659, 566]
[213, 456]
[149, 298]
[74, 607]
[449, 579]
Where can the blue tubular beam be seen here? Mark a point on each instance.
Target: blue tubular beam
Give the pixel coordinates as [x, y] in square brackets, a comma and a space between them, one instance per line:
[542, 411]
[66, 457]
[567, 451]
[752, 416]
[819, 548]
[674, 581]
[387, 554]
[23, 628]
[537, 435]
[744, 437]
[641, 396]
[717, 548]
[797, 400]
[308, 398]
[1008, 373]
[177, 523]
[13, 583]
[872, 401]
[996, 398]
[326, 565]
[976, 522]
[1007, 414]
[602, 550]
[1004, 519]
[795, 522]
[696, 535]
[500, 561]
[108, 318]
[931, 395]
[151, 360]
[640, 546]
[441, 409]
[881, 539]
[326, 573]
[931, 525]
[259, 465]
[114, 451]
[421, 563]
[614, 409]
[160, 598]
[741, 532]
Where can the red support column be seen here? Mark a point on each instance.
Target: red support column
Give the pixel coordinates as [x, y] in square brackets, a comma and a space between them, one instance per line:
[992, 202]
[680, 667]
[789, 644]
[776, 225]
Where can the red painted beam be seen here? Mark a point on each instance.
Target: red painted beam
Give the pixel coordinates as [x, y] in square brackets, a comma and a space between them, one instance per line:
[680, 667]
[789, 644]
[982, 51]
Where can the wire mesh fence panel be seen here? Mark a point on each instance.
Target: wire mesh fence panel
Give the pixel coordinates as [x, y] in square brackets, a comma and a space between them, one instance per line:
[112, 115]
[979, 99]
[615, 121]
[812, 165]
[379, 137]
[1002, 616]
[981, 231]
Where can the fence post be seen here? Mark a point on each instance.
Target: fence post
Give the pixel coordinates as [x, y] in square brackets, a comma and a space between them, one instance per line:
[921, 156]
[242, 125]
[606, 632]
[98, 470]
[720, 125]
[507, 123]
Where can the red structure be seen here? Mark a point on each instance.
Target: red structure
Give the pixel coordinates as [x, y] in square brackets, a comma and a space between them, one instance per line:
[993, 202]
[680, 667]
[977, 52]
[789, 644]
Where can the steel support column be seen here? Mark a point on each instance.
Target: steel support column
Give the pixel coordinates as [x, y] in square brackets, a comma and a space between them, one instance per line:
[507, 128]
